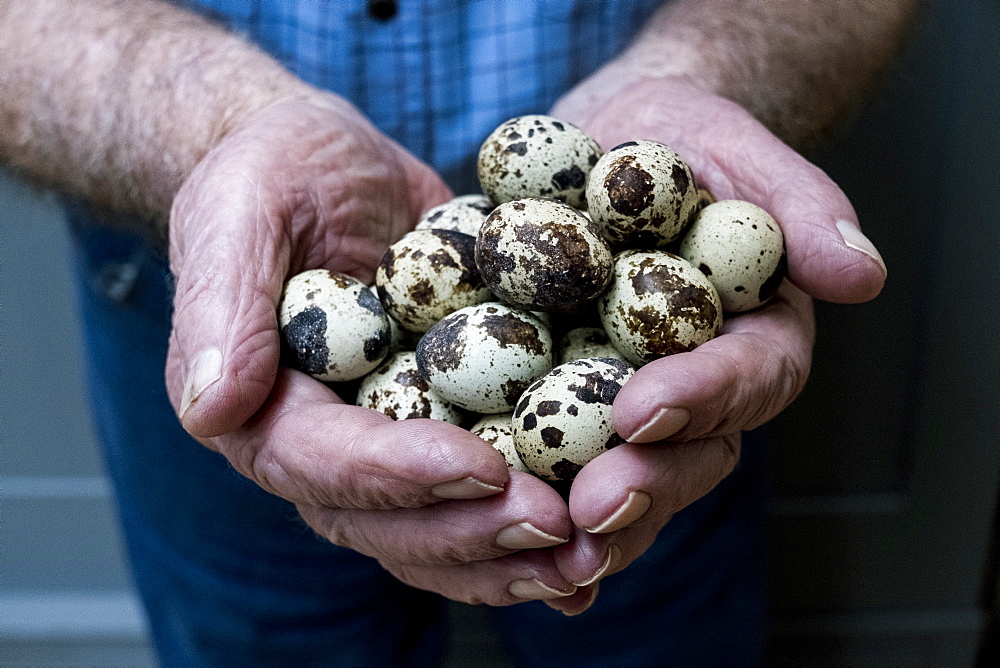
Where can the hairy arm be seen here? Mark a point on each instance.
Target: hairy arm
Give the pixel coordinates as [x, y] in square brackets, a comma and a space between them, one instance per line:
[796, 65]
[118, 101]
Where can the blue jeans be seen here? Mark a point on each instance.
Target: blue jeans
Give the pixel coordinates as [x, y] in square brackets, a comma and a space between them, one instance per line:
[230, 576]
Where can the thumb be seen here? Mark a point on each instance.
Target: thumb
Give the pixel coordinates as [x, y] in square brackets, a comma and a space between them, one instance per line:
[229, 265]
[828, 256]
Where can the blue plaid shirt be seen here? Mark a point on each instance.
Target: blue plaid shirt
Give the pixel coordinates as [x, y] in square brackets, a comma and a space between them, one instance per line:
[439, 75]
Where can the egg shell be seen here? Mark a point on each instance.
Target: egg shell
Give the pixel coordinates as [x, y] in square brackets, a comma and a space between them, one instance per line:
[658, 304]
[563, 420]
[332, 327]
[497, 431]
[641, 194]
[464, 213]
[542, 255]
[397, 389]
[482, 357]
[537, 156]
[428, 274]
[399, 339]
[585, 342]
[741, 249]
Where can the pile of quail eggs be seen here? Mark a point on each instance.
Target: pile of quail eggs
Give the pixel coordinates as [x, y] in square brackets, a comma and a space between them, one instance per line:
[522, 311]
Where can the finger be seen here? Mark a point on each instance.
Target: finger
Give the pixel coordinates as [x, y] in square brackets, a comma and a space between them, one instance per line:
[224, 347]
[576, 603]
[736, 157]
[587, 557]
[529, 514]
[530, 575]
[737, 381]
[644, 485]
[305, 446]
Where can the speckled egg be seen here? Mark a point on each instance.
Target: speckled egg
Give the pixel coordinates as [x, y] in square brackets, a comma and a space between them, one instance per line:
[496, 430]
[537, 156]
[741, 249]
[332, 327]
[464, 213]
[397, 389]
[585, 342]
[428, 274]
[658, 304]
[399, 339]
[483, 357]
[641, 194]
[542, 255]
[563, 420]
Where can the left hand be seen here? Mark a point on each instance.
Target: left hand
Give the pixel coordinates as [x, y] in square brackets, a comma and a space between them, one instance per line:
[683, 414]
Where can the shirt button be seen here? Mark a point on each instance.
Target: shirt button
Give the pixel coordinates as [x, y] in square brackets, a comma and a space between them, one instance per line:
[382, 10]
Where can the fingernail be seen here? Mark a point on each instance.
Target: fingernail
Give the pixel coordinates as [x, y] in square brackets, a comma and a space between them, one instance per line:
[535, 590]
[590, 602]
[853, 237]
[466, 488]
[205, 369]
[635, 506]
[524, 536]
[610, 561]
[667, 422]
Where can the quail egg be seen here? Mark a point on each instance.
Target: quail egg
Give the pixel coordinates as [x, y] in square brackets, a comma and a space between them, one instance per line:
[332, 327]
[397, 389]
[482, 357]
[585, 342]
[658, 304]
[542, 255]
[428, 274]
[464, 213]
[399, 339]
[537, 156]
[563, 420]
[641, 194]
[741, 249]
[496, 430]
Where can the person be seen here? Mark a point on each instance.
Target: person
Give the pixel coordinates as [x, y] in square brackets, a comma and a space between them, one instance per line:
[256, 140]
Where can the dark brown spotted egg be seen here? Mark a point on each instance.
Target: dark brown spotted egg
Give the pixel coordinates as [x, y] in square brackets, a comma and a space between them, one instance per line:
[641, 194]
[658, 304]
[497, 431]
[741, 249]
[332, 327]
[397, 389]
[428, 274]
[464, 213]
[482, 357]
[542, 255]
[585, 342]
[563, 420]
[537, 156]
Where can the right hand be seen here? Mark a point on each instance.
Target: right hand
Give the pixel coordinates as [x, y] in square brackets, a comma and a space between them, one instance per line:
[309, 183]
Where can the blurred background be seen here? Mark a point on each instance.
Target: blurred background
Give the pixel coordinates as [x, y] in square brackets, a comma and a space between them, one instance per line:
[886, 469]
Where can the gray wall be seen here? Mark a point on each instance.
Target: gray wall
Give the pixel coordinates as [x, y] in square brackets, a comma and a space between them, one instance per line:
[65, 596]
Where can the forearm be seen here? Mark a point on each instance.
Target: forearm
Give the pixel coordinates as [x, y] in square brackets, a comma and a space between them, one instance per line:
[796, 65]
[117, 101]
